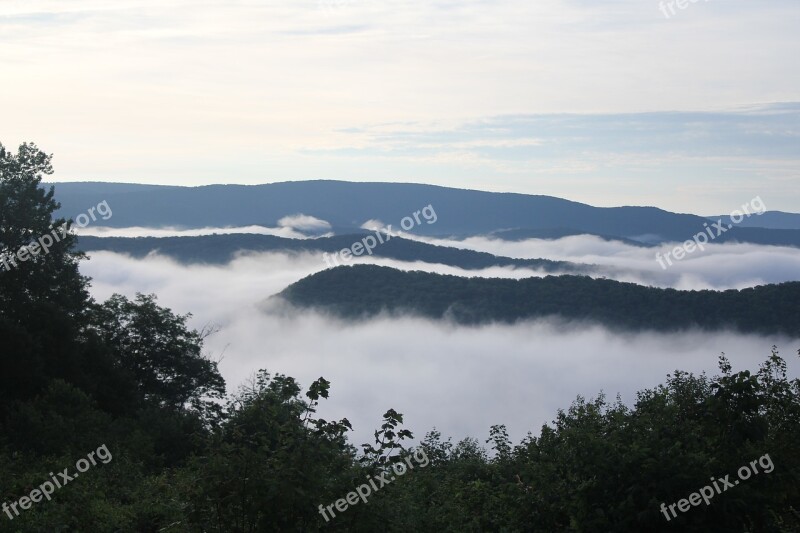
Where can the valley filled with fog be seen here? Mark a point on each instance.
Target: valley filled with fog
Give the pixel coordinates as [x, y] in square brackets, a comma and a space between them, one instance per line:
[457, 379]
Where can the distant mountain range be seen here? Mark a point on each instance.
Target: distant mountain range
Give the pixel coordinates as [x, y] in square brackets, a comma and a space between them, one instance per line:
[355, 292]
[769, 220]
[348, 205]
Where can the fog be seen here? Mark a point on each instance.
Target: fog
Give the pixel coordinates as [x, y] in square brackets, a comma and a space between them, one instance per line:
[460, 380]
[288, 227]
[719, 266]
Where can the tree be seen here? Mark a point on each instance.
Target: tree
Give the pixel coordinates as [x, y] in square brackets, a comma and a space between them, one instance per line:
[43, 298]
[161, 354]
[272, 463]
[49, 272]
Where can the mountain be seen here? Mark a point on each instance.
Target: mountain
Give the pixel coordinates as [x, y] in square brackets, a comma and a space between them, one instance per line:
[220, 249]
[348, 205]
[769, 220]
[364, 290]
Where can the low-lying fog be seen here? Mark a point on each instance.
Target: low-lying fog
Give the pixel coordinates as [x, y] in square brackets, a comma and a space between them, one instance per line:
[718, 266]
[460, 380]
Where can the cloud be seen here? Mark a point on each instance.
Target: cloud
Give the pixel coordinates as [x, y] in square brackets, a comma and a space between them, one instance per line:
[709, 157]
[138, 231]
[304, 222]
[458, 379]
[372, 224]
[745, 265]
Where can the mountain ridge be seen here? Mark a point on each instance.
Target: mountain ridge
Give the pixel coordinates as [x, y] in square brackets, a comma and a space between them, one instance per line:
[359, 291]
[220, 249]
[349, 205]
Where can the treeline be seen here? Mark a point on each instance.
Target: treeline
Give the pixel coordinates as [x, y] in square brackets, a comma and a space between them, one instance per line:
[185, 457]
[364, 290]
[221, 249]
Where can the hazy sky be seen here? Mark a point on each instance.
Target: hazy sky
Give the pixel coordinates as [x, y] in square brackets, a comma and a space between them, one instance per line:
[607, 103]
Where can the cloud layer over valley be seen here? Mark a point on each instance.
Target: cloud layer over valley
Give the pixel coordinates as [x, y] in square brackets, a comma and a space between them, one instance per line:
[463, 379]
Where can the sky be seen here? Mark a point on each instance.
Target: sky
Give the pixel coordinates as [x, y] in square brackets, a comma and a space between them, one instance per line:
[621, 102]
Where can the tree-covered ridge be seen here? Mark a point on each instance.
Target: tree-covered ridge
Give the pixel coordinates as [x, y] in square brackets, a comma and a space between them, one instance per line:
[362, 290]
[221, 249]
[350, 204]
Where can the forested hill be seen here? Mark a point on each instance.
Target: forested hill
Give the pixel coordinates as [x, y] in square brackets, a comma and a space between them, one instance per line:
[350, 204]
[347, 205]
[360, 290]
[220, 249]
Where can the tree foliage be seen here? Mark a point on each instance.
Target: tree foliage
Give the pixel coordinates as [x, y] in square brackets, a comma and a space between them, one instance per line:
[365, 290]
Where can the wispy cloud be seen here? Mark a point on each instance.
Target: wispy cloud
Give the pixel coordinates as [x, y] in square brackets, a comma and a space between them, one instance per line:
[285, 230]
[746, 265]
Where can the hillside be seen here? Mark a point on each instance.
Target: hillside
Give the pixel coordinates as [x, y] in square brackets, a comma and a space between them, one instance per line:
[362, 290]
[221, 249]
[769, 220]
[347, 205]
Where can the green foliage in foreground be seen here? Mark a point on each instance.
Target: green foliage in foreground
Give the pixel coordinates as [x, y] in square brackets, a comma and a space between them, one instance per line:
[269, 464]
[77, 374]
[365, 290]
